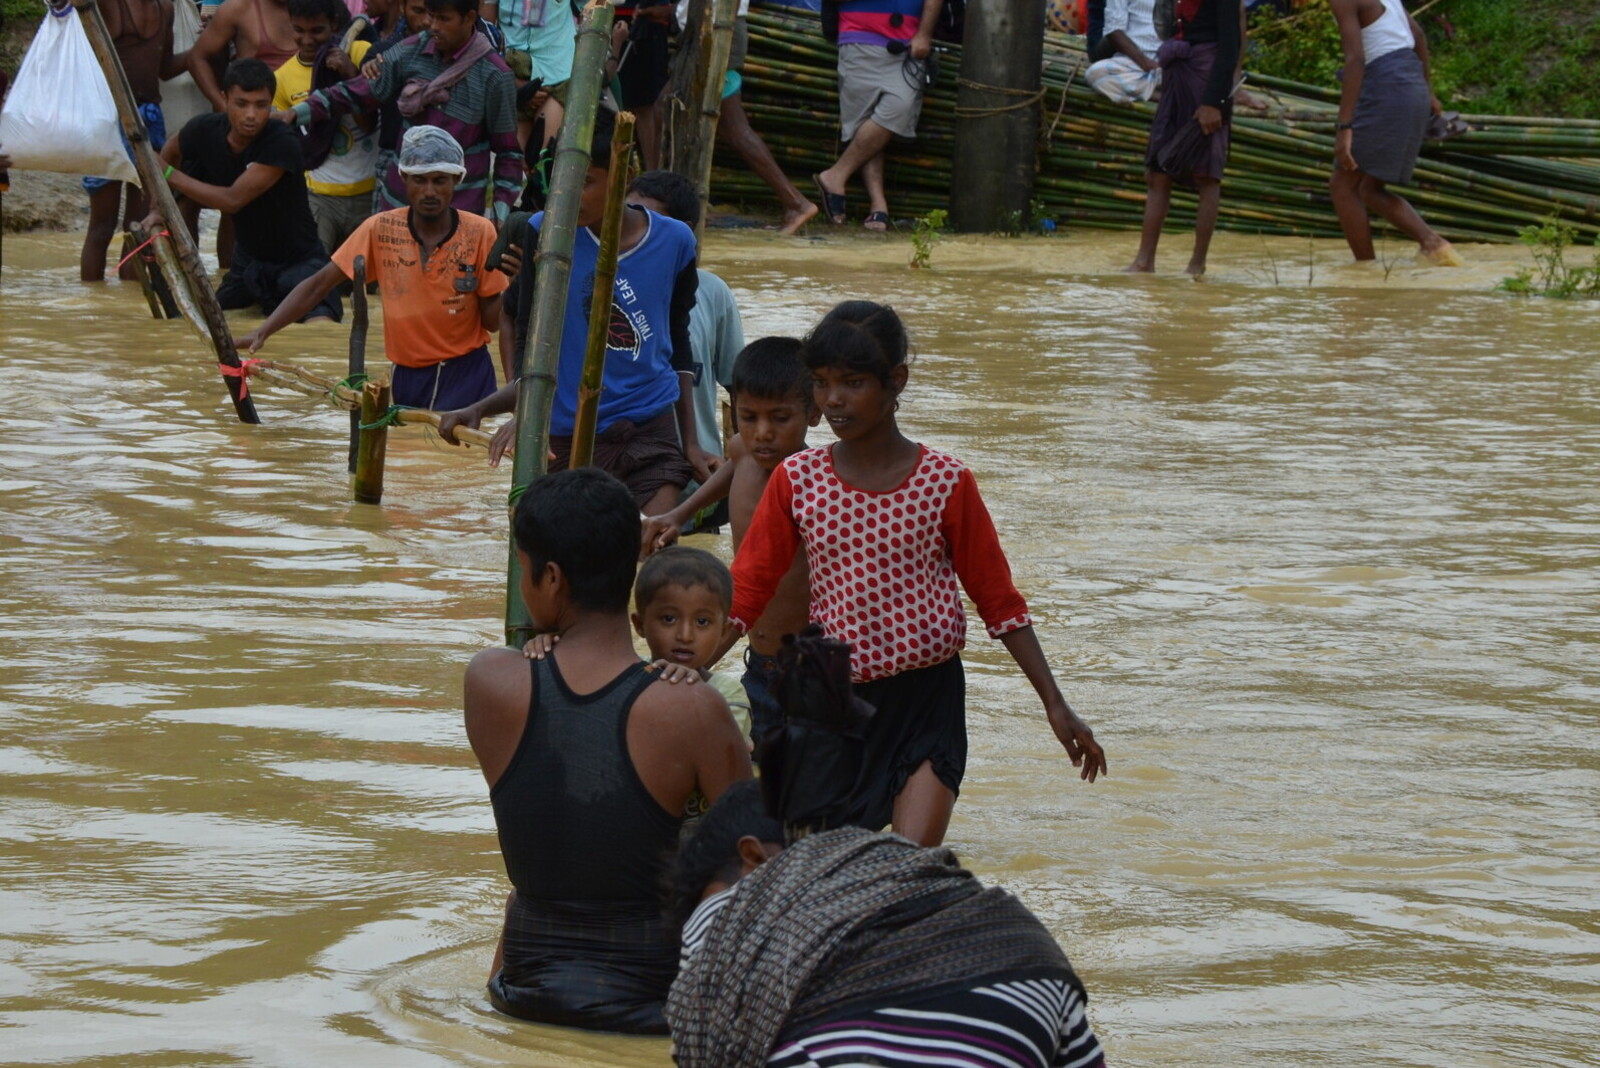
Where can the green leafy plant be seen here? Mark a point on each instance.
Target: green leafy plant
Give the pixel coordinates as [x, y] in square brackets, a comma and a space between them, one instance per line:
[1551, 275]
[1302, 45]
[924, 235]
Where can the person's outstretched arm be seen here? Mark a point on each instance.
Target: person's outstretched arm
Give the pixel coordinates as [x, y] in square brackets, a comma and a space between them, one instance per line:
[213, 42]
[256, 180]
[1073, 733]
[296, 306]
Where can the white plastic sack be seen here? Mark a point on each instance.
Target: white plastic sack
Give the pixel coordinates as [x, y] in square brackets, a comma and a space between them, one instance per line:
[60, 115]
[181, 99]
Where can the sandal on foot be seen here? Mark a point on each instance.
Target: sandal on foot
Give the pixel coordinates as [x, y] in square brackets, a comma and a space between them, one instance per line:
[833, 205]
[877, 222]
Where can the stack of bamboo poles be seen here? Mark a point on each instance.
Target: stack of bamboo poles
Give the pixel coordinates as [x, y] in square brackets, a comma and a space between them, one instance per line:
[1484, 185]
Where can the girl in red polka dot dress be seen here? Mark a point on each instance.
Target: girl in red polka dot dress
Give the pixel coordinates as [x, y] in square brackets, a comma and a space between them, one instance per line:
[892, 531]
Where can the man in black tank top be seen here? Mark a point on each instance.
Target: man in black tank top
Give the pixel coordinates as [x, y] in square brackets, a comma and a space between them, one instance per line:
[590, 762]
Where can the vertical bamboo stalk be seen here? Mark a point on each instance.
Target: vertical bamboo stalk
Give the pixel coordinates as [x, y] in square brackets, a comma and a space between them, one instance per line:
[605, 279]
[693, 158]
[155, 188]
[358, 347]
[367, 486]
[536, 386]
[136, 237]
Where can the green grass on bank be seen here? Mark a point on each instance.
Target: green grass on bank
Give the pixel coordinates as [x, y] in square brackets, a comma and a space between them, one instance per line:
[1498, 57]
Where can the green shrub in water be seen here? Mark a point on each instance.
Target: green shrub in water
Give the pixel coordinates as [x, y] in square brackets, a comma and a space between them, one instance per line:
[924, 234]
[1551, 275]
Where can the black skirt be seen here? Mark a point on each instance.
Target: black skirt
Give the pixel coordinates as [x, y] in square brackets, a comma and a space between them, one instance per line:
[921, 717]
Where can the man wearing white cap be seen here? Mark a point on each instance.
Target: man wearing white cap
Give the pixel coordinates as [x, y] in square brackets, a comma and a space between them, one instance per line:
[440, 302]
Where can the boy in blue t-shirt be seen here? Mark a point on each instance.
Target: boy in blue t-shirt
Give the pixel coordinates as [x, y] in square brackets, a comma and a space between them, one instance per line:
[646, 433]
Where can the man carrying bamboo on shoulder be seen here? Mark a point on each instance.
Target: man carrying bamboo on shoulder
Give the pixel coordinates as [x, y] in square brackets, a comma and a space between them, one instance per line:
[440, 299]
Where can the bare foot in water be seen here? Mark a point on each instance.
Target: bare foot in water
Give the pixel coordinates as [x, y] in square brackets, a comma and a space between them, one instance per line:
[795, 218]
[1139, 267]
[1443, 254]
[1195, 270]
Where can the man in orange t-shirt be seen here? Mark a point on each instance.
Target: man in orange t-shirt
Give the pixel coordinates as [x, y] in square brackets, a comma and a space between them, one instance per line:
[440, 302]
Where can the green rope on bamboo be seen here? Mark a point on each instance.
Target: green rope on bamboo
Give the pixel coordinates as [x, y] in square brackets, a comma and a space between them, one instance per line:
[516, 495]
[388, 418]
[354, 382]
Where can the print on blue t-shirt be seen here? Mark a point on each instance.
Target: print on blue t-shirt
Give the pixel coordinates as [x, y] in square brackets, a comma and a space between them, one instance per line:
[639, 380]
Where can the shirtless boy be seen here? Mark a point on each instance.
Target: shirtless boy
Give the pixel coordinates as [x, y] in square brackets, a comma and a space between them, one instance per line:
[590, 761]
[772, 403]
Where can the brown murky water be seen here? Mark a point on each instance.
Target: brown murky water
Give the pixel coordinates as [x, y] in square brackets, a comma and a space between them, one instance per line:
[1315, 548]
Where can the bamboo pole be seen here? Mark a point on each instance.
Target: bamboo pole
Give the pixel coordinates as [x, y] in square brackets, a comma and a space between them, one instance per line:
[605, 278]
[536, 385]
[358, 347]
[692, 153]
[155, 189]
[137, 237]
[367, 485]
[182, 295]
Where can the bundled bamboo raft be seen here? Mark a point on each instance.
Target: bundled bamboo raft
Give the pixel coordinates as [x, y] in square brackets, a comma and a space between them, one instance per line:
[1504, 173]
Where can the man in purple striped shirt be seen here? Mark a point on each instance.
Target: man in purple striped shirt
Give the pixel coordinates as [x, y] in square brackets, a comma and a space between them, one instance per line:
[884, 47]
[449, 77]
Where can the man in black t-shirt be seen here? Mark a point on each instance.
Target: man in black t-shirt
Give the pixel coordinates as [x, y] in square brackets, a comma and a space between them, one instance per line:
[244, 162]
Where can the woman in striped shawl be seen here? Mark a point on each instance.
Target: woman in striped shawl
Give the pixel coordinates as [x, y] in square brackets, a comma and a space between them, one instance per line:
[851, 946]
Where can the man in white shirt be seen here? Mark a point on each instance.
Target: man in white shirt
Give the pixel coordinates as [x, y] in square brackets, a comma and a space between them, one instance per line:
[1131, 73]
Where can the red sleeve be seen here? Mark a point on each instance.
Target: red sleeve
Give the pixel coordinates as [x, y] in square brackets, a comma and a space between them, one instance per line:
[767, 551]
[979, 561]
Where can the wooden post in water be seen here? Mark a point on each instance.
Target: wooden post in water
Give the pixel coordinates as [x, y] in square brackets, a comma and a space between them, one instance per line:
[694, 146]
[536, 386]
[367, 485]
[605, 278]
[155, 189]
[358, 347]
[997, 115]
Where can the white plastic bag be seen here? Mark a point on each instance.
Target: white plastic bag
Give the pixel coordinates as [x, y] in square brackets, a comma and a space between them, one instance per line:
[60, 115]
[181, 99]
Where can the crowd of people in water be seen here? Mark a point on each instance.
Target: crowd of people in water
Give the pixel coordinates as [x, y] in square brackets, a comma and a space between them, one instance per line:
[658, 885]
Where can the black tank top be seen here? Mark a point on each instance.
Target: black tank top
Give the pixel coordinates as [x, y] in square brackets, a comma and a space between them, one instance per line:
[576, 823]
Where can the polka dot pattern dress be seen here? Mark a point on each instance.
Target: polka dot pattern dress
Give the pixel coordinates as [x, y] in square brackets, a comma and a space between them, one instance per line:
[887, 568]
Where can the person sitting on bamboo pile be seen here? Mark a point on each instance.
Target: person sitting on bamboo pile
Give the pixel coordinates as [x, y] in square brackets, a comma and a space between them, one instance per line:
[1385, 103]
[884, 49]
[808, 943]
[735, 131]
[451, 77]
[1130, 72]
[590, 760]
[340, 152]
[440, 299]
[1189, 134]
[248, 165]
[141, 32]
[647, 428]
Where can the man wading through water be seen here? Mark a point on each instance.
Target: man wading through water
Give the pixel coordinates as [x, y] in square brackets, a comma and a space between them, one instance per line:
[440, 301]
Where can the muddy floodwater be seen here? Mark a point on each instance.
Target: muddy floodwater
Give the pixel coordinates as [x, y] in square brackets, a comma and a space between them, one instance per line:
[1314, 547]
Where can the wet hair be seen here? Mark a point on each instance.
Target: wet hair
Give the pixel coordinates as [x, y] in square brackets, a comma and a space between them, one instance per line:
[460, 7]
[586, 523]
[679, 565]
[712, 850]
[332, 10]
[675, 193]
[774, 369]
[249, 75]
[858, 335]
[605, 128]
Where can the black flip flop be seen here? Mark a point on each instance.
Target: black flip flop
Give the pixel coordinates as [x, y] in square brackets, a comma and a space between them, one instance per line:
[878, 217]
[833, 205]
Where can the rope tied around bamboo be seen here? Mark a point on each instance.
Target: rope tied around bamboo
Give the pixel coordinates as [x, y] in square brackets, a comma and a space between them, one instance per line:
[1033, 96]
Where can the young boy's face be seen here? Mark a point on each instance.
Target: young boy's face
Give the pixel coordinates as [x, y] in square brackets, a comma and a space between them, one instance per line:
[416, 15]
[773, 429]
[683, 625]
[592, 202]
[310, 34]
[248, 110]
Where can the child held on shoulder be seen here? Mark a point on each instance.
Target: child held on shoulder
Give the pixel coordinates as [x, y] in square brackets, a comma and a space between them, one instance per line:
[892, 531]
[772, 403]
[680, 609]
